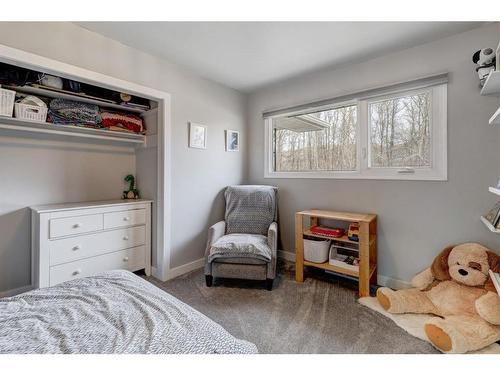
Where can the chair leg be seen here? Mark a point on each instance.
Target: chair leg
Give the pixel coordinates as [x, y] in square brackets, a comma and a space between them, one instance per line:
[209, 279]
[269, 284]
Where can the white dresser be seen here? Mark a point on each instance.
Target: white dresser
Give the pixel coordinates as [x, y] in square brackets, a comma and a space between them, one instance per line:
[81, 239]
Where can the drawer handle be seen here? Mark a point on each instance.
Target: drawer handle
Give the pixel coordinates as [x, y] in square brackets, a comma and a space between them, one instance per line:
[125, 259]
[125, 238]
[77, 272]
[77, 225]
[126, 218]
[77, 247]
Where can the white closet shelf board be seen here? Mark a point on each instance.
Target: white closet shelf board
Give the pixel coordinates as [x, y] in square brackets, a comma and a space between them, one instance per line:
[15, 124]
[64, 95]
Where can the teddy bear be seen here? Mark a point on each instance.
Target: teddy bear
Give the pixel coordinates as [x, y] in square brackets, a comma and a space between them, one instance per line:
[458, 290]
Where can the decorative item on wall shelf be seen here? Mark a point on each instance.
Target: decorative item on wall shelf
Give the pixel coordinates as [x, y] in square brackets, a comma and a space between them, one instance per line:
[485, 60]
[493, 215]
[232, 140]
[197, 135]
[132, 192]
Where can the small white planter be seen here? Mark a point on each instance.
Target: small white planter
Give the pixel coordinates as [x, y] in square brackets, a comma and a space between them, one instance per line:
[316, 251]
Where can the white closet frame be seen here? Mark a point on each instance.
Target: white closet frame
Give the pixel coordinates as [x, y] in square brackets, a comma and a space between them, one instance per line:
[35, 62]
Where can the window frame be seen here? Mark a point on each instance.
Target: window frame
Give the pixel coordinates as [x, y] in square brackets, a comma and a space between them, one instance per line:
[436, 172]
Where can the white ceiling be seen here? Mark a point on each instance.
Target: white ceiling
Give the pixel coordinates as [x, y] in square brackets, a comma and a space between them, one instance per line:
[250, 55]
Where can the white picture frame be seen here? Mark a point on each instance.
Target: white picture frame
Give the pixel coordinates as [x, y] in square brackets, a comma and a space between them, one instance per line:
[232, 140]
[197, 136]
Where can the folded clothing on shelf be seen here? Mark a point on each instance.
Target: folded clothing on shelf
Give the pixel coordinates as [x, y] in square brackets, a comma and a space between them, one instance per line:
[122, 122]
[69, 112]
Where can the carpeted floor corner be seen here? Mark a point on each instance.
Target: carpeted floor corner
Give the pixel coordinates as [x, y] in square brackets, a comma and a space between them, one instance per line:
[319, 316]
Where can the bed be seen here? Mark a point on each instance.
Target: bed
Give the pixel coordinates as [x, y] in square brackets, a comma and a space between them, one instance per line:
[114, 312]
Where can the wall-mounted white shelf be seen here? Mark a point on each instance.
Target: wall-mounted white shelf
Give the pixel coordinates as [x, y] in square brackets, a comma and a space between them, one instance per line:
[15, 124]
[489, 226]
[495, 119]
[492, 84]
[494, 190]
[73, 96]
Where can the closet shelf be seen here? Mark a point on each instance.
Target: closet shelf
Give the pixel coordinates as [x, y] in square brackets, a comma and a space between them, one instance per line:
[15, 124]
[72, 96]
[489, 226]
[492, 84]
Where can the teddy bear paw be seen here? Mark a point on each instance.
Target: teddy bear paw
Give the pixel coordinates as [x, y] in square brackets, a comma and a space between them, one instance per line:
[444, 337]
[384, 297]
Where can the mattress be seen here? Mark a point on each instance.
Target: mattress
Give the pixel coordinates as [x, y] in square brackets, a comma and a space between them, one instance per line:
[114, 312]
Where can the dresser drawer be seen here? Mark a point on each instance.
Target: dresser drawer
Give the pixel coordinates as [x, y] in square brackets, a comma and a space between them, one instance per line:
[74, 248]
[68, 226]
[124, 218]
[130, 259]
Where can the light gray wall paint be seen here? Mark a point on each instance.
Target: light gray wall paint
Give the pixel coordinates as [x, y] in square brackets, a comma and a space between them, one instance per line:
[53, 171]
[416, 218]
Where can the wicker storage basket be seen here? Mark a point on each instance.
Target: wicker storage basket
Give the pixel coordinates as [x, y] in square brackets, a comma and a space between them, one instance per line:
[30, 112]
[6, 102]
[316, 251]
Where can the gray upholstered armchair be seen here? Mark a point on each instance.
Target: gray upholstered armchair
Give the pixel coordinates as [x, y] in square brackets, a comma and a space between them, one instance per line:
[244, 245]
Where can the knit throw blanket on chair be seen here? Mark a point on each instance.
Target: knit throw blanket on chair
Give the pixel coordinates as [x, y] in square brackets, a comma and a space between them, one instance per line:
[250, 209]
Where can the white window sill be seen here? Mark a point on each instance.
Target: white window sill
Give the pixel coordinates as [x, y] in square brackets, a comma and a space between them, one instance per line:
[356, 175]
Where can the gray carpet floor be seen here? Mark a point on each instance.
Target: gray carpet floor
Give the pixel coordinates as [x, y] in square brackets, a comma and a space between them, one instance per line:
[319, 316]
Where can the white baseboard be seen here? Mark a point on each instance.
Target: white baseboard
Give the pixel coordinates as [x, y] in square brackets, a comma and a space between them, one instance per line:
[392, 283]
[154, 273]
[287, 255]
[185, 268]
[381, 279]
[15, 291]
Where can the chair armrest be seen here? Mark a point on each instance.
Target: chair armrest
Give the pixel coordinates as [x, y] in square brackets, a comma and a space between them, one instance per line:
[272, 237]
[215, 232]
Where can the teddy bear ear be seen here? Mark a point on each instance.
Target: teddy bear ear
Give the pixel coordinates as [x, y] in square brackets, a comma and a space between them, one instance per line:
[494, 263]
[439, 267]
[475, 57]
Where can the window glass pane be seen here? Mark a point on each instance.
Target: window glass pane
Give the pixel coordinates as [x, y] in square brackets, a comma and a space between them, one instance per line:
[320, 141]
[400, 132]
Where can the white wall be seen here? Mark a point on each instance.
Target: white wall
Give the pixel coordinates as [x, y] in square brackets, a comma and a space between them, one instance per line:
[416, 218]
[53, 171]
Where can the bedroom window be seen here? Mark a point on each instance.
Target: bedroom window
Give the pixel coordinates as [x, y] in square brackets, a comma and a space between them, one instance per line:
[318, 141]
[399, 135]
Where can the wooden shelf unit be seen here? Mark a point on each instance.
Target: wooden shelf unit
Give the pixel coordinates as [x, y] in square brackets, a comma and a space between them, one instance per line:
[367, 245]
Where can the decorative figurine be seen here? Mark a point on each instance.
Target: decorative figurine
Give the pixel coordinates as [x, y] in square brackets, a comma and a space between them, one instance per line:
[485, 60]
[132, 192]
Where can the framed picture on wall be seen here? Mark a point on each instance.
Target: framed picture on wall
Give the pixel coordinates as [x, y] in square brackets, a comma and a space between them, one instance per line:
[232, 140]
[197, 135]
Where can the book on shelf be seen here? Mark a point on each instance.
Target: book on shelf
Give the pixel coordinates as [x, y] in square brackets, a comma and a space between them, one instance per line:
[341, 258]
[495, 277]
[493, 215]
[327, 231]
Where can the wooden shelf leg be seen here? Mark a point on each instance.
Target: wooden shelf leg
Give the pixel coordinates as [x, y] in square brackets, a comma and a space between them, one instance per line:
[373, 250]
[364, 259]
[299, 249]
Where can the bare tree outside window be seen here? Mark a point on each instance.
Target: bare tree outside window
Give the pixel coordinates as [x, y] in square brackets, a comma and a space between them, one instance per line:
[329, 146]
[400, 132]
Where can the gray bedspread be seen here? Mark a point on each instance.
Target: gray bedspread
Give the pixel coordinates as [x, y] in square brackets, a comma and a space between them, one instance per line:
[114, 312]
